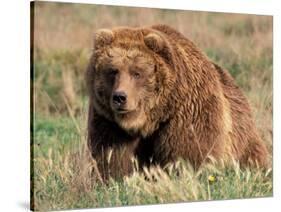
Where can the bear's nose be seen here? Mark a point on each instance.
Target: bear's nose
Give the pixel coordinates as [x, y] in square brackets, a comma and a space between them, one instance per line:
[119, 98]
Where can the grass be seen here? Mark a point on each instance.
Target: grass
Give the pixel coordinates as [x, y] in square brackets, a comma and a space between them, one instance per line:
[65, 176]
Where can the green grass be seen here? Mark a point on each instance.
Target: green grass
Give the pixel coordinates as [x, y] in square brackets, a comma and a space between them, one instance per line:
[65, 175]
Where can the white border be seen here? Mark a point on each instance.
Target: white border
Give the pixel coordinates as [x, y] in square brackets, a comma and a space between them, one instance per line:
[14, 112]
[238, 6]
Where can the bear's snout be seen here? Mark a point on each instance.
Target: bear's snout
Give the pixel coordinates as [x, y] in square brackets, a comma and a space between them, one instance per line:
[119, 98]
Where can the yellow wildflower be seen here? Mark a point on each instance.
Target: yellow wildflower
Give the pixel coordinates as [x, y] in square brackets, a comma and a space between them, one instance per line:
[212, 178]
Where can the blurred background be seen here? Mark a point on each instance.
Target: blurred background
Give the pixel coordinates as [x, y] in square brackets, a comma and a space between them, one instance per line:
[63, 39]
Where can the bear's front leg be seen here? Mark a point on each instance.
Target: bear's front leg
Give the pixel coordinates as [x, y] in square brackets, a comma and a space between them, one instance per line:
[173, 140]
[176, 140]
[111, 147]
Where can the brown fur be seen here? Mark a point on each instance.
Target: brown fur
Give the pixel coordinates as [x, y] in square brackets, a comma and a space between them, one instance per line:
[185, 106]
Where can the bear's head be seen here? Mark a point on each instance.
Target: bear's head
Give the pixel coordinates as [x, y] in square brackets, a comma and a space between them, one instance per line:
[131, 76]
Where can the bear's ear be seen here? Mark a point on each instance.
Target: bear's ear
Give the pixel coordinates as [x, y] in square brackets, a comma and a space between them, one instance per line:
[103, 37]
[154, 42]
[159, 45]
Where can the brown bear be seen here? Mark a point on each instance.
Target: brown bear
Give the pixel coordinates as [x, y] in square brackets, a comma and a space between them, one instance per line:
[156, 97]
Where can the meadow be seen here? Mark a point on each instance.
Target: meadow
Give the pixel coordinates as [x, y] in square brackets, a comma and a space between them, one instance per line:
[63, 174]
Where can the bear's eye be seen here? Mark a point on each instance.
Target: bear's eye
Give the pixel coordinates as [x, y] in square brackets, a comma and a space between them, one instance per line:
[112, 71]
[136, 75]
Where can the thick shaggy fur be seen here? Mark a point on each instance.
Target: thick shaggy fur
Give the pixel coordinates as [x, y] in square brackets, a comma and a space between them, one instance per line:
[185, 106]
